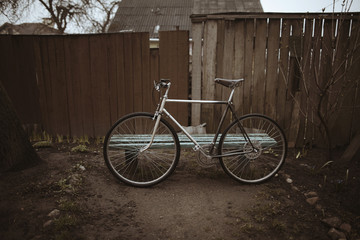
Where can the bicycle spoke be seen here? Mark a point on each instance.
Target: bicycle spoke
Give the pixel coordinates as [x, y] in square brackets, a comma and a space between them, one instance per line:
[123, 155]
[261, 157]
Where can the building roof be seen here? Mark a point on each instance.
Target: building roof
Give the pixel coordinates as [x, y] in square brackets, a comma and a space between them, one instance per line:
[27, 28]
[224, 6]
[164, 15]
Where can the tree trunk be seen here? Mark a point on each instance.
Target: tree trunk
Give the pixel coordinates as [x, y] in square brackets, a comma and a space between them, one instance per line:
[16, 152]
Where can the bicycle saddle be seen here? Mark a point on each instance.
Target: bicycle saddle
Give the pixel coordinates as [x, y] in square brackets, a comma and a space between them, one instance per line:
[230, 83]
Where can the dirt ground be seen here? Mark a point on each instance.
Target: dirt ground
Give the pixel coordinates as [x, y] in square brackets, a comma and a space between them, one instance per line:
[72, 195]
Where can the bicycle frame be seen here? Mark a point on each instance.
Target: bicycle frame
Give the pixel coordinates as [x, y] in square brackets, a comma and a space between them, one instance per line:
[161, 110]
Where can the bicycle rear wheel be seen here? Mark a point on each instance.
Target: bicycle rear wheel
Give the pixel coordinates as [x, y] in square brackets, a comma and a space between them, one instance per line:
[255, 160]
[126, 161]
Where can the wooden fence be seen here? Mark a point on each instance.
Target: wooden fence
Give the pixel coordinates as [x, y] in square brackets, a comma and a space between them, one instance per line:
[289, 61]
[79, 85]
[76, 85]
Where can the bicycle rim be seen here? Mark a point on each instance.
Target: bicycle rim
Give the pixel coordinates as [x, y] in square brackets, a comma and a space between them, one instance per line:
[123, 155]
[260, 157]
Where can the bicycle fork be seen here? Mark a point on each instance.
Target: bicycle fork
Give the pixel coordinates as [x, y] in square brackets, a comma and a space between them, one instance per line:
[157, 116]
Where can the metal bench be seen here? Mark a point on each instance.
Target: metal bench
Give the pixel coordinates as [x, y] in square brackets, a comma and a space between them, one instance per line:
[126, 141]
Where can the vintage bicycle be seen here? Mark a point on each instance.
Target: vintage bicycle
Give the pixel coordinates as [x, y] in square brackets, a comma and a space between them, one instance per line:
[143, 149]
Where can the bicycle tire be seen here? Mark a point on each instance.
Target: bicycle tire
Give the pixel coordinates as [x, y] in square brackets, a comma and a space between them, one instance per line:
[141, 168]
[255, 166]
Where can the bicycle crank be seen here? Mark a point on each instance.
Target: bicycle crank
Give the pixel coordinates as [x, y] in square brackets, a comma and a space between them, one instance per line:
[206, 161]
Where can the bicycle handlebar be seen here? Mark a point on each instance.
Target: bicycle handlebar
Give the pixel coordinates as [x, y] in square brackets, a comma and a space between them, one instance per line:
[164, 83]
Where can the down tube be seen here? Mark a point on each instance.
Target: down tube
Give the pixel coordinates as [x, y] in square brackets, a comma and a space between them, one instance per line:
[182, 129]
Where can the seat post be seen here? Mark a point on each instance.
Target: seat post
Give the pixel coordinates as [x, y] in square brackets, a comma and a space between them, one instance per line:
[231, 95]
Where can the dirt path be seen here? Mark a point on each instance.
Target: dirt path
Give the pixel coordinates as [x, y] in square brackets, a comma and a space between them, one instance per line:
[194, 203]
[74, 196]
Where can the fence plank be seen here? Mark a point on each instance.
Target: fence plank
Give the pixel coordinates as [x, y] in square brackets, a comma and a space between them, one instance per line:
[258, 98]
[249, 58]
[154, 71]
[183, 74]
[228, 64]
[112, 77]
[272, 67]
[62, 114]
[168, 55]
[313, 86]
[18, 69]
[128, 63]
[283, 74]
[349, 114]
[147, 84]
[174, 65]
[44, 85]
[85, 97]
[121, 83]
[294, 96]
[74, 75]
[209, 70]
[305, 83]
[239, 64]
[99, 83]
[220, 70]
[59, 107]
[197, 34]
[354, 75]
[137, 78]
[336, 95]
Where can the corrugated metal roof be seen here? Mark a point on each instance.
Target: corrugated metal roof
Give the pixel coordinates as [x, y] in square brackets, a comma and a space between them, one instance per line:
[144, 15]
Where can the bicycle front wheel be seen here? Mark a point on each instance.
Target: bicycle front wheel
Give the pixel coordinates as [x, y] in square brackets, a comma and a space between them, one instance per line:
[124, 155]
[256, 156]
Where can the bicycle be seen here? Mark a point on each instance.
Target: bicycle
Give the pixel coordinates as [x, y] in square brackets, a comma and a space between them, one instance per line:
[142, 149]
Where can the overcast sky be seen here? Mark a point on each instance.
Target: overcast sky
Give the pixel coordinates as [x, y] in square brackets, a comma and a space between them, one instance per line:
[306, 5]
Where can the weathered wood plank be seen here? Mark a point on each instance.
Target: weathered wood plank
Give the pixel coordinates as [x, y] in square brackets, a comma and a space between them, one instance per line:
[283, 75]
[147, 84]
[45, 87]
[305, 84]
[339, 92]
[137, 73]
[168, 66]
[228, 65]
[258, 98]
[313, 122]
[99, 83]
[197, 36]
[112, 78]
[272, 67]
[183, 74]
[355, 75]
[18, 69]
[219, 72]
[174, 48]
[293, 94]
[239, 64]
[128, 76]
[59, 88]
[120, 76]
[249, 60]
[74, 75]
[209, 71]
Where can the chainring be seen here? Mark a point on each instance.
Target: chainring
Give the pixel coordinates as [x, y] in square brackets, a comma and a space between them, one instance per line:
[205, 161]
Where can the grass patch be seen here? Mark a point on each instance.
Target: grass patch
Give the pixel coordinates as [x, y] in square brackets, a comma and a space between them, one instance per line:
[82, 148]
[65, 222]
